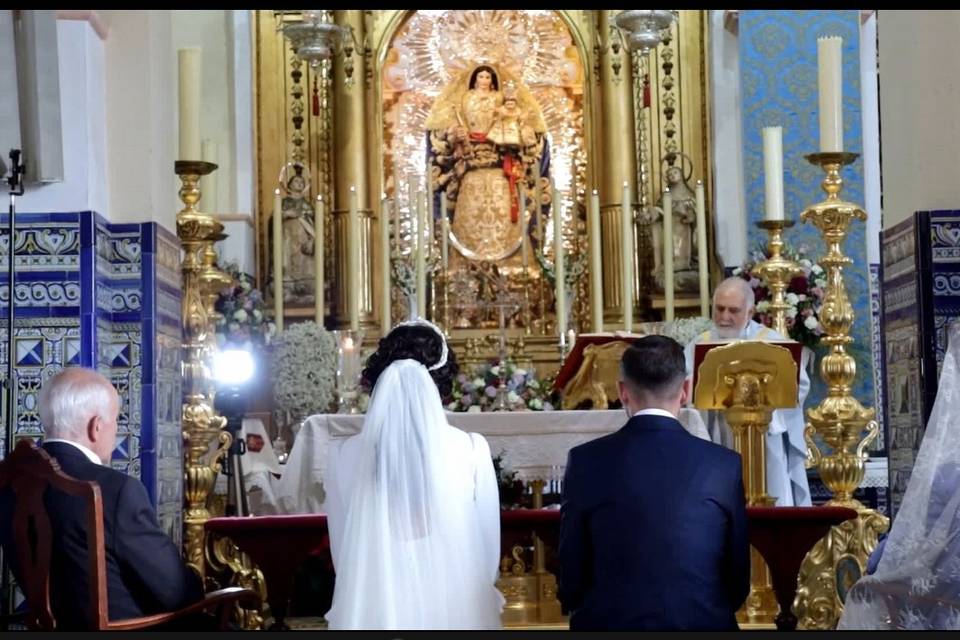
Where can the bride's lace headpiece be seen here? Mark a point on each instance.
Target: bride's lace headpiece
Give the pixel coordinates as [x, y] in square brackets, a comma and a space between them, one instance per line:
[420, 322]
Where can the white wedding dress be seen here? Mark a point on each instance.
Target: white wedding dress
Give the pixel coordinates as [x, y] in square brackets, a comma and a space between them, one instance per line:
[414, 515]
[917, 581]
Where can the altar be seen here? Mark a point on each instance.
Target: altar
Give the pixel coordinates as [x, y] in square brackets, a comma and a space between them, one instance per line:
[534, 444]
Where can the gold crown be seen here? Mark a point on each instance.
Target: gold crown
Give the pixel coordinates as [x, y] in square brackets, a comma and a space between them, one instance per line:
[510, 90]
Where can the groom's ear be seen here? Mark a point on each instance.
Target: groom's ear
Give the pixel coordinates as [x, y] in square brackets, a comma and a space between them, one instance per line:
[685, 392]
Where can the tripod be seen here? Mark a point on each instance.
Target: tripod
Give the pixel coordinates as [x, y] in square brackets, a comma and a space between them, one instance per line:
[16, 188]
[232, 404]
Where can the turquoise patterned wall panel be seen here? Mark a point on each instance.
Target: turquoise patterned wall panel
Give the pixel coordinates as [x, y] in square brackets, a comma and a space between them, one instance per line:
[107, 296]
[778, 71]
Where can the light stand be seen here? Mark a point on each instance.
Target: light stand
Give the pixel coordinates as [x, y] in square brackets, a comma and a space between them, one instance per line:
[231, 403]
[233, 369]
[16, 188]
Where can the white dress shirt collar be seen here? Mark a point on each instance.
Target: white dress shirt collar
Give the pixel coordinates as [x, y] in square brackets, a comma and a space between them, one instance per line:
[654, 412]
[91, 456]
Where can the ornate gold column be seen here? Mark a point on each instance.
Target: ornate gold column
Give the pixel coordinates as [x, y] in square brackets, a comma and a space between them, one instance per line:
[840, 418]
[201, 425]
[618, 163]
[350, 161]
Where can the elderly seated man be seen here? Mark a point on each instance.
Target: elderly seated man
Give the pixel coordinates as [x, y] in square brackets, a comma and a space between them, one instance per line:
[145, 573]
[733, 307]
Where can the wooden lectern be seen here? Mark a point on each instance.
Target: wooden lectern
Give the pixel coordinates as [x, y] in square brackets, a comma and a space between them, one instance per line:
[747, 380]
[588, 377]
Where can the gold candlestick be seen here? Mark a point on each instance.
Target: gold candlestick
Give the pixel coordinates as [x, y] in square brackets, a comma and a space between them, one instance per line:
[840, 418]
[777, 271]
[201, 424]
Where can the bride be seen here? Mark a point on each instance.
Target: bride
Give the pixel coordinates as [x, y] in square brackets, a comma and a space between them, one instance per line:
[917, 581]
[412, 503]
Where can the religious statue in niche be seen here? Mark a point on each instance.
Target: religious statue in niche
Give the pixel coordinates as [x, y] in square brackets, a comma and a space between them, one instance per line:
[486, 142]
[298, 239]
[684, 214]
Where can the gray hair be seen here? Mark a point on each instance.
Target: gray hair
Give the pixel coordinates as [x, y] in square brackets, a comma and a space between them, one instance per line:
[741, 285]
[70, 399]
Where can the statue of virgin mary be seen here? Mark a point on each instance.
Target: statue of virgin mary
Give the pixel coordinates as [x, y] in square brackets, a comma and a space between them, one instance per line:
[478, 169]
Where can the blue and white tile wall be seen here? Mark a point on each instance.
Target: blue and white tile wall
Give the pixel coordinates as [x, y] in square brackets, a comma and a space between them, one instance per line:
[920, 295]
[103, 295]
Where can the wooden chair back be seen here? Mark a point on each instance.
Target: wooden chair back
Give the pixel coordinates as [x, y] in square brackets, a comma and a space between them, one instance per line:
[30, 472]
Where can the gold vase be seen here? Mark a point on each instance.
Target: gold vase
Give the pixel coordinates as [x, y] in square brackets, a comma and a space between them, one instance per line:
[843, 423]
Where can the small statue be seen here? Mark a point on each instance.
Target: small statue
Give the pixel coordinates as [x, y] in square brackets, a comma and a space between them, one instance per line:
[683, 206]
[509, 128]
[298, 242]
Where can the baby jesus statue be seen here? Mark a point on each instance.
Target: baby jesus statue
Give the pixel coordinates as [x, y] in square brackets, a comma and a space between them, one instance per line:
[509, 128]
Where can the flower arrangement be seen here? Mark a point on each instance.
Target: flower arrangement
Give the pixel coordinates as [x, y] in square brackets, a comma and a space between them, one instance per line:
[804, 294]
[478, 390]
[304, 370]
[511, 487]
[243, 319]
[683, 330]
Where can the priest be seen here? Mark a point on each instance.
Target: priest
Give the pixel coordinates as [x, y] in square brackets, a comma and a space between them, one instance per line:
[733, 307]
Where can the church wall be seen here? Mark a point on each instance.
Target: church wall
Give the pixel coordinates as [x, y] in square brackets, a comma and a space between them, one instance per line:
[729, 220]
[919, 91]
[81, 69]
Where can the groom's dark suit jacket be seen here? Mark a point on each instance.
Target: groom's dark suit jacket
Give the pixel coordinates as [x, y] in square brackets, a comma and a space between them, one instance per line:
[654, 531]
[145, 573]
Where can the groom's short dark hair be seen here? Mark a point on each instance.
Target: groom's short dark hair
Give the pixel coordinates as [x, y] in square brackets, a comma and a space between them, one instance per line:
[654, 365]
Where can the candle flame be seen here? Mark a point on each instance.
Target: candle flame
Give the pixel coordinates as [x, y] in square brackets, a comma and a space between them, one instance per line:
[276, 191]
[348, 343]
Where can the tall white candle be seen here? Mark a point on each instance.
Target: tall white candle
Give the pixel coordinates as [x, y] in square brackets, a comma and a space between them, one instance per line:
[353, 261]
[421, 256]
[318, 237]
[830, 75]
[396, 222]
[444, 228]
[386, 283]
[626, 249]
[444, 247]
[189, 67]
[559, 268]
[209, 152]
[702, 252]
[773, 172]
[277, 260]
[524, 244]
[668, 254]
[596, 266]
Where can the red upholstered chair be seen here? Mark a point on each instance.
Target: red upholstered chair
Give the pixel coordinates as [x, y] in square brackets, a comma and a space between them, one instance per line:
[30, 471]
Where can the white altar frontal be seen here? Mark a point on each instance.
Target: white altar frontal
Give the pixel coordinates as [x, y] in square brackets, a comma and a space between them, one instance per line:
[534, 444]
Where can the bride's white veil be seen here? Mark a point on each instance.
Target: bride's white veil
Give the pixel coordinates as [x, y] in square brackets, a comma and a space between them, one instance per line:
[917, 582]
[409, 536]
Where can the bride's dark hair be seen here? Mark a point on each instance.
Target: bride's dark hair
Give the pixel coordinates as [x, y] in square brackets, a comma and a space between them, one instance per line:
[413, 342]
[494, 83]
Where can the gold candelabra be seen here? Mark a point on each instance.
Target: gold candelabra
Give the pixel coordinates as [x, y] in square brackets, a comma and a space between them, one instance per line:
[201, 425]
[840, 419]
[777, 271]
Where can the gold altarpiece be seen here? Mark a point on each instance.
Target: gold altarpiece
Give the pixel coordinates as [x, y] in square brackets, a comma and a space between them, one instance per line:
[611, 118]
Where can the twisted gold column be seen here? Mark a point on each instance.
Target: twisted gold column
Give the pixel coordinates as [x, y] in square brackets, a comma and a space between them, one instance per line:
[201, 425]
[840, 418]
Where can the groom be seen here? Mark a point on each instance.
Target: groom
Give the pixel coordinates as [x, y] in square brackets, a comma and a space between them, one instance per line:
[653, 532]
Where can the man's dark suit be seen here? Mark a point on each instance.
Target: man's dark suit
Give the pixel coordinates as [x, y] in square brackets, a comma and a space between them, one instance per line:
[654, 531]
[145, 573]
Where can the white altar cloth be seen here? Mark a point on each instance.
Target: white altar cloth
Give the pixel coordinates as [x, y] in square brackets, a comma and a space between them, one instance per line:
[533, 443]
